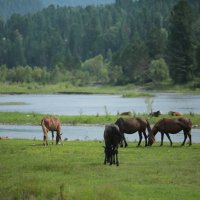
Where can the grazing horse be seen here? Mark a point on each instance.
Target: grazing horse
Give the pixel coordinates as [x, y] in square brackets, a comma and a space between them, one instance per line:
[112, 138]
[51, 124]
[174, 113]
[132, 125]
[173, 126]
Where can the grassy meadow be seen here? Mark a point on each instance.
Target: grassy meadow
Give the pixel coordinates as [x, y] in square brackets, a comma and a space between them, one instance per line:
[75, 171]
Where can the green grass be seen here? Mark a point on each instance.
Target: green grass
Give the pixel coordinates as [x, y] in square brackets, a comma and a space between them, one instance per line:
[76, 171]
[129, 90]
[35, 88]
[35, 118]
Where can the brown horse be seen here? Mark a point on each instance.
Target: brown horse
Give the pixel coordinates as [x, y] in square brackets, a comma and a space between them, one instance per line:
[174, 113]
[51, 124]
[132, 125]
[173, 126]
[125, 113]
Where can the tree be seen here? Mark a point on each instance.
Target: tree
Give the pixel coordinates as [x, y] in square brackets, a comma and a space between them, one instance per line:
[180, 49]
[97, 69]
[158, 70]
[134, 61]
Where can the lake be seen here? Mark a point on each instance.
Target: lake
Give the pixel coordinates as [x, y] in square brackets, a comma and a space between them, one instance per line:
[83, 132]
[66, 104]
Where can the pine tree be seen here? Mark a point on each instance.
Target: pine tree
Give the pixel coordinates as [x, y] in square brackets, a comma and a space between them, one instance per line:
[180, 49]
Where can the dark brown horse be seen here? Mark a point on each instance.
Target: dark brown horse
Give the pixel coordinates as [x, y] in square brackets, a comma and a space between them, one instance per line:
[173, 126]
[155, 114]
[51, 124]
[132, 125]
[112, 138]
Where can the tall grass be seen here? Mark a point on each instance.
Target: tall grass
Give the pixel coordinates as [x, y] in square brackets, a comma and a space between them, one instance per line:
[75, 171]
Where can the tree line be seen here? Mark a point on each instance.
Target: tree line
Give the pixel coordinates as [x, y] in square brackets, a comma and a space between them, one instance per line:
[126, 42]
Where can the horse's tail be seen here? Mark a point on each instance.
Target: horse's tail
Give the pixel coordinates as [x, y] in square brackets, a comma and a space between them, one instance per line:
[190, 123]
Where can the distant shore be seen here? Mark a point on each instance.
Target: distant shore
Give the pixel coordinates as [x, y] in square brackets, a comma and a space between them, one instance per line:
[64, 88]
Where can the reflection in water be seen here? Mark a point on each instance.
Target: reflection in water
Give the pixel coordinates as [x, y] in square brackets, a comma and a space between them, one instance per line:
[84, 132]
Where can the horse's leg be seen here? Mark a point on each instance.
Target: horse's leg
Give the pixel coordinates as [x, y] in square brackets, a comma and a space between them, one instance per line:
[185, 137]
[140, 138]
[123, 138]
[190, 137]
[167, 134]
[105, 159]
[45, 142]
[162, 137]
[114, 157]
[45, 131]
[116, 154]
[45, 139]
[145, 137]
[111, 159]
[121, 142]
[52, 137]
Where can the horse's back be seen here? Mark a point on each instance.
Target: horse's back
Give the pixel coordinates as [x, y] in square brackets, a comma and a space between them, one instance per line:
[51, 123]
[131, 125]
[172, 125]
[112, 134]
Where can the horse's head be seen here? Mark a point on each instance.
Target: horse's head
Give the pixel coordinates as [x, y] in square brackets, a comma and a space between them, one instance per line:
[58, 138]
[151, 139]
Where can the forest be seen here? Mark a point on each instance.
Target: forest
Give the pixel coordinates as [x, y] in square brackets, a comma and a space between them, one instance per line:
[125, 42]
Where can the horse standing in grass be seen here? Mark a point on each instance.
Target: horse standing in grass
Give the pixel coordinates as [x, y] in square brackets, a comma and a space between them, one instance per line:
[112, 138]
[51, 124]
[132, 125]
[173, 126]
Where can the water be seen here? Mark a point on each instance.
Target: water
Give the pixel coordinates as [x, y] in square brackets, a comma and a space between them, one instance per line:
[65, 104]
[83, 132]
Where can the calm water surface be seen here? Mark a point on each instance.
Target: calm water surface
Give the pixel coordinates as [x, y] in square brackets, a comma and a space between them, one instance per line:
[100, 104]
[84, 132]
